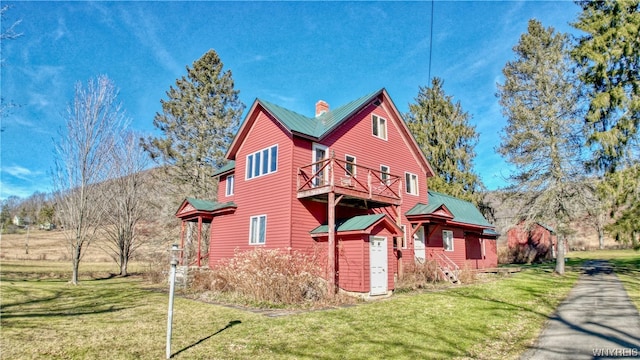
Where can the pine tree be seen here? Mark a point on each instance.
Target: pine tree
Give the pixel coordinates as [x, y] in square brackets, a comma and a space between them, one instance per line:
[541, 138]
[624, 189]
[608, 58]
[198, 123]
[442, 130]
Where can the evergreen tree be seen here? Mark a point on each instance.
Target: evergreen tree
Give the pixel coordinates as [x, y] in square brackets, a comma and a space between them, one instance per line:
[541, 138]
[624, 189]
[198, 123]
[608, 57]
[442, 130]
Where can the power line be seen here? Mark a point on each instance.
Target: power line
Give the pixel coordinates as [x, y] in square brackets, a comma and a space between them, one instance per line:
[430, 42]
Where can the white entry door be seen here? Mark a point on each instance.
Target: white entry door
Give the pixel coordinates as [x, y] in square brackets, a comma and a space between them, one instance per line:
[418, 245]
[378, 264]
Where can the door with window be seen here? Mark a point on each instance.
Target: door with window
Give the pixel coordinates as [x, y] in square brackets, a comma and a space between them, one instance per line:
[319, 153]
[419, 246]
[378, 264]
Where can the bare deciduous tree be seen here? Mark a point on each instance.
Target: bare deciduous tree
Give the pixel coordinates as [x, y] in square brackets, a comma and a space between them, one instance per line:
[83, 152]
[129, 200]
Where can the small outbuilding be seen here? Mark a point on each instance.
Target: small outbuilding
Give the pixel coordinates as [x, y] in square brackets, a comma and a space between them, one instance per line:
[532, 243]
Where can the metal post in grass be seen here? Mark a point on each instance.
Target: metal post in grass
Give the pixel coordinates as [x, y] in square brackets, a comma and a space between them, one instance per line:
[172, 287]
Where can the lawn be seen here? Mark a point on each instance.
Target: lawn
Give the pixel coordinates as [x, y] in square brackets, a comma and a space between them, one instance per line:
[44, 317]
[122, 318]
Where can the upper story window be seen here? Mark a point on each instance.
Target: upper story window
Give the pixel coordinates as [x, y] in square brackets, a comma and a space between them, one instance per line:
[447, 240]
[257, 229]
[379, 127]
[262, 162]
[384, 174]
[411, 183]
[350, 165]
[230, 183]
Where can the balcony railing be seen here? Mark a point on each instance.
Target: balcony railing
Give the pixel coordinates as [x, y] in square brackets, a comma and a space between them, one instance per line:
[350, 179]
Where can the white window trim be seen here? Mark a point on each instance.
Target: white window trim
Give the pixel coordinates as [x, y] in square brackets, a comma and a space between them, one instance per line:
[376, 118]
[249, 171]
[230, 185]
[355, 169]
[444, 243]
[314, 148]
[251, 230]
[404, 236]
[388, 172]
[416, 191]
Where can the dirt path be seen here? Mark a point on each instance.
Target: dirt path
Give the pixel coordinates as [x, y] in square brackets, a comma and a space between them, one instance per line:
[596, 321]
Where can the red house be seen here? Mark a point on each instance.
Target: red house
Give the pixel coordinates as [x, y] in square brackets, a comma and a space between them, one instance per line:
[350, 181]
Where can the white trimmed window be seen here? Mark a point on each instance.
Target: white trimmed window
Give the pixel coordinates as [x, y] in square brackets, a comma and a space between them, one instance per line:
[230, 184]
[411, 183]
[262, 162]
[384, 174]
[257, 229]
[447, 240]
[379, 126]
[350, 165]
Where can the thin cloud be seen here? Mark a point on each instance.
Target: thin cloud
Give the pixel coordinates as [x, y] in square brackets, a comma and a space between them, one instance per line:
[20, 172]
[43, 77]
[61, 30]
[145, 28]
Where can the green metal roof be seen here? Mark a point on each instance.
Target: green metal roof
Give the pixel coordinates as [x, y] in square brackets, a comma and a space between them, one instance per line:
[463, 211]
[206, 205]
[316, 126]
[355, 223]
[228, 166]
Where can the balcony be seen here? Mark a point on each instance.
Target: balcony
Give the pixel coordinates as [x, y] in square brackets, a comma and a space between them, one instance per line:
[359, 185]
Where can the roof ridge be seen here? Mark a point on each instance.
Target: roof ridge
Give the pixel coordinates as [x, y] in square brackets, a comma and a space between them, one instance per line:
[316, 126]
[447, 195]
[269, 103]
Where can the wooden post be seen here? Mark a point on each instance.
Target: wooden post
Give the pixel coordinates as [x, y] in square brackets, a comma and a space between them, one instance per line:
[199, 237]
[399, 223]
[182, 243]
[331, 246]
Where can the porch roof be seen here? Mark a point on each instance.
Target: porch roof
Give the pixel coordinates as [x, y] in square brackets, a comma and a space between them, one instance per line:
[231, 165]
[358, 223]
[191, 207]
[462, 211]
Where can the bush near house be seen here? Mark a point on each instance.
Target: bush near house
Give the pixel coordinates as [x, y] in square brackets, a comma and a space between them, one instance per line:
[265, 277]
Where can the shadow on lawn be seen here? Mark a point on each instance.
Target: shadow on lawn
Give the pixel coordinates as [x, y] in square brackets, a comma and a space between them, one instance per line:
[596, 276]
[230, 324]
[35, 299]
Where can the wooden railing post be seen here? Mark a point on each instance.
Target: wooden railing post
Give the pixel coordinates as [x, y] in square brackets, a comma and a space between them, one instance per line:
[331, 246]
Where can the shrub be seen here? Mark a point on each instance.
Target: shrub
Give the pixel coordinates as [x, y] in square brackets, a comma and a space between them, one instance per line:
[265, 277]
[467, 275]
[419, 275]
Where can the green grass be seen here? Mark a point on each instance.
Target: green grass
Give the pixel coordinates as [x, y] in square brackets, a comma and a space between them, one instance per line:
[121, 318]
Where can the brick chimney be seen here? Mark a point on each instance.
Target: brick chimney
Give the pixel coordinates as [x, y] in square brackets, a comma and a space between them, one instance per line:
[321, 107]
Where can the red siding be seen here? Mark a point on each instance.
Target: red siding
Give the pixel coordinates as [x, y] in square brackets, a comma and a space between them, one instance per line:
[355, 137]
[289, 219]
[353, 263]
[265, 195]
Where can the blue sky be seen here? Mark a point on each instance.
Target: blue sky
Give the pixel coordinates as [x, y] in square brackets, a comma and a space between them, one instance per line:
[289, 53]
